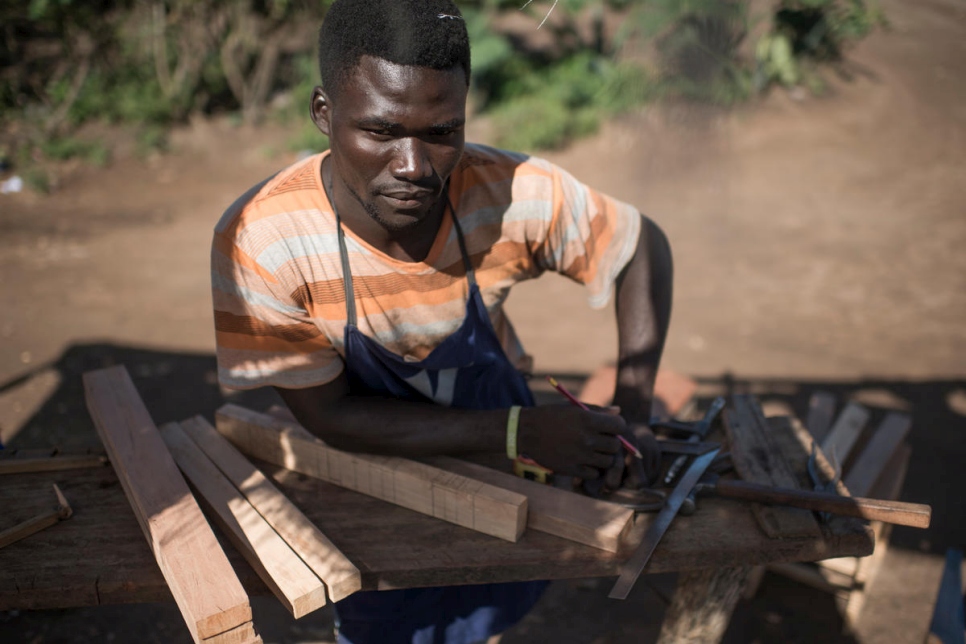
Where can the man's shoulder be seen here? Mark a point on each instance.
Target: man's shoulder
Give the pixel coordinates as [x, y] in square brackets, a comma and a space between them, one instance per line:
[295, 191]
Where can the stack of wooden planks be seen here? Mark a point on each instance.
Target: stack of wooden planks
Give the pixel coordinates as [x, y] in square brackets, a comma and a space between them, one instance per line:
[291, 555]
[212, 600]
[467, 494]
[875, 458]
[294, 559]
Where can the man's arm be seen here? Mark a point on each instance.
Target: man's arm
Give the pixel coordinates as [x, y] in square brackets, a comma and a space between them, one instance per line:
[563, 438]
[644, 290]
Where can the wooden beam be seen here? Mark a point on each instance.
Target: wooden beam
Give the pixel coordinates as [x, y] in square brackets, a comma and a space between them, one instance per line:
[869, 465]
[292, 582]
[17, 465]
[552, 510]
[244, 634]
[845, 432]
[340, 575]
[759, 459]
[198, 574]
[417, 486]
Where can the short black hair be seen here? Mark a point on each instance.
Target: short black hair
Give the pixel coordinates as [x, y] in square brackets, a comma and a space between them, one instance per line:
[423, 33]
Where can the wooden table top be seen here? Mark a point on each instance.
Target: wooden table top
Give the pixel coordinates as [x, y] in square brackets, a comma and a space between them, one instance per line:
[100, 556]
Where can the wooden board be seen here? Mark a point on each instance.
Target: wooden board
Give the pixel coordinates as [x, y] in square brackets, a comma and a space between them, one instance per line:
[870, 463]
[758, 458]
[100, 557]
[18, 465]
[340, 575]
[845, 432]
[416, 486]
[199, 576]
[292, 582]
[552, 510]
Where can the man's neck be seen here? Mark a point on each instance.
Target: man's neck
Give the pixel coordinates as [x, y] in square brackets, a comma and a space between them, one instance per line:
[410, 245]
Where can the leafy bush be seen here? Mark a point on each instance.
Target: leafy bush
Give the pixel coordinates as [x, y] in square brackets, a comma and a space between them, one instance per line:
[151, 64]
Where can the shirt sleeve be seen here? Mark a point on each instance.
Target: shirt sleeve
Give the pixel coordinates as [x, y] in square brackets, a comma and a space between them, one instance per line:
[263, 332]
[590, 238]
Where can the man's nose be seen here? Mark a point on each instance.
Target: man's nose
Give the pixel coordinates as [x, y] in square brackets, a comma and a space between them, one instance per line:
[411, 161]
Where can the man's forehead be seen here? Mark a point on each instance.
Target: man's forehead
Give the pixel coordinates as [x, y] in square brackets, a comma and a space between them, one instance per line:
[387, 75]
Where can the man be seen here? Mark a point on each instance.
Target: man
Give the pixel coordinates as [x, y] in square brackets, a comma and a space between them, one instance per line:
[366, 285]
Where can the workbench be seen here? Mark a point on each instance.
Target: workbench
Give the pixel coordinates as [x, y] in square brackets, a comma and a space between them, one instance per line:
[100, 556]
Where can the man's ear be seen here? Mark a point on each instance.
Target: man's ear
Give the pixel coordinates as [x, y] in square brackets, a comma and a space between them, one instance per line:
[321, 111]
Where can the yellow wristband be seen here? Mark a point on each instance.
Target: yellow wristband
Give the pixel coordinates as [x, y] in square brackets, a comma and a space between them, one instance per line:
[512, 425]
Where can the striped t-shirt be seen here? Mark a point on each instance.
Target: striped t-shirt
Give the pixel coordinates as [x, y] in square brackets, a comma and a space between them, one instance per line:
[276, 276]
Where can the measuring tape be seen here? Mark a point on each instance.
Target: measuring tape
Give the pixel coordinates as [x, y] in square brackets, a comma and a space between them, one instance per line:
[527, 468]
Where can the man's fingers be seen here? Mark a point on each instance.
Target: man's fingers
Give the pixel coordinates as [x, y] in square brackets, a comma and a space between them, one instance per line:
[606, 444]
[587, 473]
[601, 461]
[614, 475]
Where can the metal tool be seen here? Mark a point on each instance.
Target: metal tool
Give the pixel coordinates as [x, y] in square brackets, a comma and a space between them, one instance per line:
[721, 464]
[527, 468]
[633, 567]
[700, 431]
[39, 522]
[686, 448]
[642, 500]
[916, 515]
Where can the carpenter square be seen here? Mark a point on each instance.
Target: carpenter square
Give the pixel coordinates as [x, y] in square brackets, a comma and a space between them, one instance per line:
[633, 567]
[700, 431]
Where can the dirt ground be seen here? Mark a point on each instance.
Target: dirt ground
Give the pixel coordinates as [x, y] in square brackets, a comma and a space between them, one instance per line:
[818, 245]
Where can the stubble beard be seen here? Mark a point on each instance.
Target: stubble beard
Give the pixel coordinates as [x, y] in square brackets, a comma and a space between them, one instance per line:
[392, 227]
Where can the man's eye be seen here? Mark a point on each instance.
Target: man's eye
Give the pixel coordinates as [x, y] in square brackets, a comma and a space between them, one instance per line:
[442, 132]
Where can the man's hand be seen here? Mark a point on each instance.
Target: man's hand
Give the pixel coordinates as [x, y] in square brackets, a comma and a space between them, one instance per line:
[570, 440]
[631, 471]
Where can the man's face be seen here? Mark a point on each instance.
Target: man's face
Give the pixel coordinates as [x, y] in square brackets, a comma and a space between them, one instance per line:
[396, 134]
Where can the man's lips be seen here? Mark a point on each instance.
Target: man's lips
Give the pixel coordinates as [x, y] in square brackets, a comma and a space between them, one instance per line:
[409, 199]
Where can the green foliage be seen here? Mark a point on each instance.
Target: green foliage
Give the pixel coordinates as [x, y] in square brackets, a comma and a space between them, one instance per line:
[149, 64]
[61, 149]
[808, 33]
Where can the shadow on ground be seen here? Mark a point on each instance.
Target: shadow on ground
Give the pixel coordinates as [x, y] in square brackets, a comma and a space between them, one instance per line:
[175, 386]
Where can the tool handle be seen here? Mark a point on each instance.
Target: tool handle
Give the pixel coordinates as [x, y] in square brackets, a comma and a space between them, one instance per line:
[916, 515]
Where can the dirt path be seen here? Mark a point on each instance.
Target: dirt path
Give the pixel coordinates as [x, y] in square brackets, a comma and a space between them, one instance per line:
[817, 243]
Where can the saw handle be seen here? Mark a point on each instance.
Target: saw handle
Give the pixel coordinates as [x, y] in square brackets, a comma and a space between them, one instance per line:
[916, 515]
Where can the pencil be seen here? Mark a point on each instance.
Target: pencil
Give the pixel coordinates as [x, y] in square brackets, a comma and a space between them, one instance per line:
[569, 396]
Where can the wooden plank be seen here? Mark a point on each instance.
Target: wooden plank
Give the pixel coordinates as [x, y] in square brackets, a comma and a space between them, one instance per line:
[845, 432]
[292, 582]
[821, 412]
[244, 634]
[203, 584]
[100, 557]
[17, 465]
[759, 459]
[417, 486]
[552, 510]
[872, 461]
[340, 575]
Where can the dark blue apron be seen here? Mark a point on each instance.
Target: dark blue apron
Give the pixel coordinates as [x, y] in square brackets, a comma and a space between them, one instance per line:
[467, 370]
